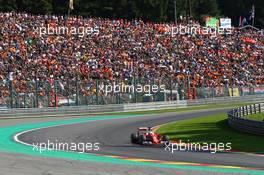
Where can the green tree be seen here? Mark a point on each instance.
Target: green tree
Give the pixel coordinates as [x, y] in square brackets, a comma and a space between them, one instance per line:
[236, 8]
[8, 5]
[204, 7]
[149, 10]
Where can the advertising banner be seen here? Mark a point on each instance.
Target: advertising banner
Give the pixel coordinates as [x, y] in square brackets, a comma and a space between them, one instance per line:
[234, 92]
[212, 22]
[259, 90]
[245, 91]
[225, 22]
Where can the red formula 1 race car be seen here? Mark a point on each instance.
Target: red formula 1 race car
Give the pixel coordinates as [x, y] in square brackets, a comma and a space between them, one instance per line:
[145, 136]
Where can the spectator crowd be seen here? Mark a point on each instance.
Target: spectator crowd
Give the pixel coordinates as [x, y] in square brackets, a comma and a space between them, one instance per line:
[125, 49]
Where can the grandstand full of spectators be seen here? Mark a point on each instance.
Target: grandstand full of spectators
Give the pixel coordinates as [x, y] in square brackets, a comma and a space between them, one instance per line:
[125, 49]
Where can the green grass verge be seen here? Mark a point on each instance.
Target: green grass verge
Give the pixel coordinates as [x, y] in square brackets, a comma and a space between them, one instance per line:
[258, 117]
[212, 129]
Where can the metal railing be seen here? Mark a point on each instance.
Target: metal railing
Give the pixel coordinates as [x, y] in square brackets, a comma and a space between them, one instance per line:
[91, 109]
[125, 107]
[39, 94]
[249, 110]
[237, 121]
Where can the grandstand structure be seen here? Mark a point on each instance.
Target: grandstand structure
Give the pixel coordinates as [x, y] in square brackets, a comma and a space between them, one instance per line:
[41, 69]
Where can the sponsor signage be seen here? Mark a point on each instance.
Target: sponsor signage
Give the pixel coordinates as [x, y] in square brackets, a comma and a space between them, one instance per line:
[234, 92]
[212, 22]
[225, 22]
[259, 90]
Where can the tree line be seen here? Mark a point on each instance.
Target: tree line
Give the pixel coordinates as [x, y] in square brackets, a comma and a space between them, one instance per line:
[148, 10]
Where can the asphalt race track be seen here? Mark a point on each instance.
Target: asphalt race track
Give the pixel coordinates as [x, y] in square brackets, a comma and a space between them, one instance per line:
[113, 136]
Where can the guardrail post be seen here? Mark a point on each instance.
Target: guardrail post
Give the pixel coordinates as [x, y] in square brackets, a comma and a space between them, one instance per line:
[36, 94]
[97, 92]
[135, 92]
[68, 92]
[55, 94]
[47, 92]
[24, 100]
[77, 91]
[11, 93]
[246, 125]
[259, 108]
[246, 110]
[170, 89]
[154, 94]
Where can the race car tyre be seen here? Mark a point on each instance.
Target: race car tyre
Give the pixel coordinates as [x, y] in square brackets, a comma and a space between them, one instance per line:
[133, 138]
[141, 140]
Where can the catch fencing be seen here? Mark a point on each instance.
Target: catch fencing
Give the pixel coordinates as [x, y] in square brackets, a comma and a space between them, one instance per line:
[43, 94]
[126, 107]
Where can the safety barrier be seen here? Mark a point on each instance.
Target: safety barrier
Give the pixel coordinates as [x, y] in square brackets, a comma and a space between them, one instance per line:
[219, 100]
[73, 110]
[43, 94]
[125, 107]
[237, 121]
